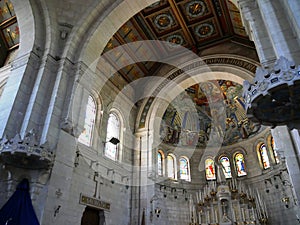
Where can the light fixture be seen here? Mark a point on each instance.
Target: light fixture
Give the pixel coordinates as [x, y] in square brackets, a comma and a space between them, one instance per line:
[273, 98]
[76, 161]
[58, 193]
[157, 211]
[126, 181]
[113, 140]
[112, 175]
[56, 211]
[286, 201]
[173, 190]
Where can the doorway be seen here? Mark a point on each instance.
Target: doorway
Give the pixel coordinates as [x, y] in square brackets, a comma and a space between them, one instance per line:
[92, 216]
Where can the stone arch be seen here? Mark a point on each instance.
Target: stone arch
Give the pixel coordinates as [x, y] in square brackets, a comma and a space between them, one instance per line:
[158, 107]
[27, 12]
[103, 21]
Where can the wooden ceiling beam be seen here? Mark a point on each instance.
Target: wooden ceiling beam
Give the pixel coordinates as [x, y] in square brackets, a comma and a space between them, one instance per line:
[182, 23]
[131, 53]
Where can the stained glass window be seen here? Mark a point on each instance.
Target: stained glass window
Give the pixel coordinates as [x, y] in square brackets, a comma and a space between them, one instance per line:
[113, 131]
[226, 166]
[90, 114]
[275, 154]
[10, 32]
[184, 169]
[264, 156]
[159, 163]
[171, 166]
[210, 172]
[240, 164]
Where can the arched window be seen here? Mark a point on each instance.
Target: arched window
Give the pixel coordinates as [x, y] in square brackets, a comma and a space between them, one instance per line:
[264, 156]
[274, 152]
[89, 122]
[171, 166]
[184, 169]
[240, 164]
[160, 163]
[10, 32]
[210, 171]
[112, 136]
[224, 161]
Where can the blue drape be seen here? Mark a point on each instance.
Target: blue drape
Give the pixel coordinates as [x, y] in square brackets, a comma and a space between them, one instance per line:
[18, 210]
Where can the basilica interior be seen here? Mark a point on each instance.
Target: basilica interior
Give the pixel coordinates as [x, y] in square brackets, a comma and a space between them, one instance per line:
[127, 112]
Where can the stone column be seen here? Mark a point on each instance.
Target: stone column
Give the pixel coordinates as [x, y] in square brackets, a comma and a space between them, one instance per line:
[274, 36]
[288, 152]
[293, 12]
[17, 92]
[257, 31]
[143, 190]
[280, 30]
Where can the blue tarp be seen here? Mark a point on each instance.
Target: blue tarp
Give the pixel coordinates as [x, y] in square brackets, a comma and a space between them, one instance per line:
[18, 210]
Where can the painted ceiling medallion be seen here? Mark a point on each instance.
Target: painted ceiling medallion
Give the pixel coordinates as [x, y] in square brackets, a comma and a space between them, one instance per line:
[175, 39]
[204, 30]
[195, 8]
[163, 21]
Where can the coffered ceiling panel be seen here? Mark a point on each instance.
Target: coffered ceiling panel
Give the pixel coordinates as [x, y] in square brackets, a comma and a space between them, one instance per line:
[193, 24]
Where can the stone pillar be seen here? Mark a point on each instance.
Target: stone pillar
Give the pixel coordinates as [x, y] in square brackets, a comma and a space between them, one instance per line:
[257, 31]
[280, 30]
[17, 92]
[143, 191]
[273, 32]
[288, 152]
[293, 12]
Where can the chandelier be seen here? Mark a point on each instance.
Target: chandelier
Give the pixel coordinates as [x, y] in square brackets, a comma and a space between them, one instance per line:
[227, 203]
[273, 98]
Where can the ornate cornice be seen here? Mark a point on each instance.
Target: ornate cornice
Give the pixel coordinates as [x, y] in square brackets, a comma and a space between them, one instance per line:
[26, 152]
[274, 96]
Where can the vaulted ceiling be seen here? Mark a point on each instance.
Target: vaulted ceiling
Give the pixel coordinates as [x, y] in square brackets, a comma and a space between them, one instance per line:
[193, 24]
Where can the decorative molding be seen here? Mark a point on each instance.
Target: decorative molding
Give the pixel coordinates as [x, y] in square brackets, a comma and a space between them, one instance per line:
[240, 62]
[273, 97]
[25, 153]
